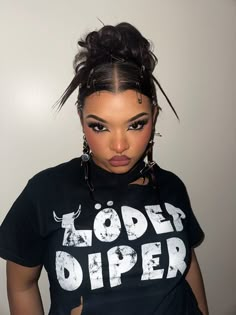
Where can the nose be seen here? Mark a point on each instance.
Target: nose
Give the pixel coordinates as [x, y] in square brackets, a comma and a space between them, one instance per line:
[119, 142]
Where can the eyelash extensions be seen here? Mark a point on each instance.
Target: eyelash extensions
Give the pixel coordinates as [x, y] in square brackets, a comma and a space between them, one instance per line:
[137, 125]
[97, 127]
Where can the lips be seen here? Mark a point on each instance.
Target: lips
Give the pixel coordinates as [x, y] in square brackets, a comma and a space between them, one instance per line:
[119, 160]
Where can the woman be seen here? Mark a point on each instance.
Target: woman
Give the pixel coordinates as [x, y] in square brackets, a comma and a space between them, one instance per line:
[115, 233]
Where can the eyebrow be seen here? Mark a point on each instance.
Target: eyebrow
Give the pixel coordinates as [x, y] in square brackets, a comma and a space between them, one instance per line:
[129, 120]
[138, 116]
[96, 117]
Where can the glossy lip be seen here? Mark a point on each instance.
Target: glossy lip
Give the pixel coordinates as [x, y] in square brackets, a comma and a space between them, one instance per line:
[119, 160]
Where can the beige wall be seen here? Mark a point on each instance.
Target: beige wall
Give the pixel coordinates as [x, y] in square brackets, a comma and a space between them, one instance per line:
[196, 45]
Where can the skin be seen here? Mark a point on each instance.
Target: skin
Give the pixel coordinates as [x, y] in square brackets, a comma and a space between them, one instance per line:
[195, 280]
[22, 288]
[113, 126]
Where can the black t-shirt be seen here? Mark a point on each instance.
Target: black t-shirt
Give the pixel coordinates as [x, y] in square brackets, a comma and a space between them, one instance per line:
[125, 248]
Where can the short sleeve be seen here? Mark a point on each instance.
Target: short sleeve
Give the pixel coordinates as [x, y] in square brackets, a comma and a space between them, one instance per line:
[20, 239]
[194, 230]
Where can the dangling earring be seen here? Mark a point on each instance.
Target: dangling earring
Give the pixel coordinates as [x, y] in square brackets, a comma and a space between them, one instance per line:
[86, 151]
[150, 163]
[85, 157]
[150, 147]
[150, 152]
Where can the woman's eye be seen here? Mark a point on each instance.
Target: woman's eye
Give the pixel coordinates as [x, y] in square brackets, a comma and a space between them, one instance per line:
[138, 125]
[97, 127]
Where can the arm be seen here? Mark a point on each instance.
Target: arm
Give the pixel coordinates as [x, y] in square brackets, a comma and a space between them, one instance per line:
[194, 278]
[22, 288]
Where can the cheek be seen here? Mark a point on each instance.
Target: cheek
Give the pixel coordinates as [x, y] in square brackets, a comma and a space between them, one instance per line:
[92, 139]
[140, 140]
[143, 138]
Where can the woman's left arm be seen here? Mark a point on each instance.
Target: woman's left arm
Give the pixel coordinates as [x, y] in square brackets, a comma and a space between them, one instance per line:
[195, 280]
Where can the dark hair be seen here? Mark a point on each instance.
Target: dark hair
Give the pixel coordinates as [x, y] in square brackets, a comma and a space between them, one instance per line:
[114, 58]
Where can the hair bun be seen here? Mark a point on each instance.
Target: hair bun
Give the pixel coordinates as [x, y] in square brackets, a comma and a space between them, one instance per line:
[102, 50]
[120, 42]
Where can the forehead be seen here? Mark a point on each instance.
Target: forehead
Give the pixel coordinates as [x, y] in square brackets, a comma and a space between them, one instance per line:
[109, 105]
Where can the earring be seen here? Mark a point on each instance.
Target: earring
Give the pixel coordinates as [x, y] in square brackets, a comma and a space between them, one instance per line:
[150, 163]
[150, 152]
[85, 157]
[86, 151]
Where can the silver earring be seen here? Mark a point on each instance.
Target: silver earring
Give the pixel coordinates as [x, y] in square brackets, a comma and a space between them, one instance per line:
[86, 151]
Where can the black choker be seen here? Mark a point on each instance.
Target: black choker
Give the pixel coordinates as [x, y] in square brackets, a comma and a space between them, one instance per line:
[96, 176]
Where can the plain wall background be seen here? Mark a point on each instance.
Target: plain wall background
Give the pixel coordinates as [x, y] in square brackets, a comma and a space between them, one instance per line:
[196, 45]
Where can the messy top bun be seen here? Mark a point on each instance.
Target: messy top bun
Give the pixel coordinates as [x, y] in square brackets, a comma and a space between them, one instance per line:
[121, 42]
[114, 58]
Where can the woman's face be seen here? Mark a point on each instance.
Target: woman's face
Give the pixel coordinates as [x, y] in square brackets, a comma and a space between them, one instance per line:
[117, 128]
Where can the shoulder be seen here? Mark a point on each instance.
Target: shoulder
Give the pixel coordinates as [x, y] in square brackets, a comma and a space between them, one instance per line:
[168, 178]
[171, 187]
[67, 172]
